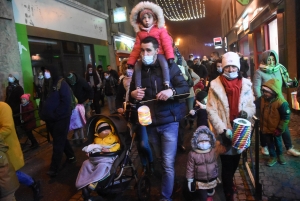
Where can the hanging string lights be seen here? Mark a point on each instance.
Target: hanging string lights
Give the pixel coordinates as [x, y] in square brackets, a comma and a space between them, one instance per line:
[181, 10]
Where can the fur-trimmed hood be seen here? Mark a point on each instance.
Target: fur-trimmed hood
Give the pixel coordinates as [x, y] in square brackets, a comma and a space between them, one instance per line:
[141, 6]
[202, 130]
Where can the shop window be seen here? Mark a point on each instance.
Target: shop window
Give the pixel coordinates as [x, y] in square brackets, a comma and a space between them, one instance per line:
[71, 47]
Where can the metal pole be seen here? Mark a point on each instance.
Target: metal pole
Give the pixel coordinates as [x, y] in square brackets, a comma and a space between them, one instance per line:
[258, 186]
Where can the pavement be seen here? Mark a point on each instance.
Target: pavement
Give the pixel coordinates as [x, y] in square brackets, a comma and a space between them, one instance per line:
[279, 183]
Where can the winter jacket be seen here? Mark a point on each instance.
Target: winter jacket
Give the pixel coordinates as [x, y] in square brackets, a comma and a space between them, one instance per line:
[200, 70]
[162, 112]
[82, 90]
[244, 67]
[157, 31]
[110, 86]
[218, 107]
[260, 77]
[56, 101]
[9, 182]
[202, 165]
[9, 136]
[13, 94]
[275, 114]
[28, 117]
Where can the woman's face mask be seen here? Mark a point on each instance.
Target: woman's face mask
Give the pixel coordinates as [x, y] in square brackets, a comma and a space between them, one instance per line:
[129, 72]
[40, 76]
[47, 75]
[11, 79]
[219, 69]
[231, 75]
[203, 145]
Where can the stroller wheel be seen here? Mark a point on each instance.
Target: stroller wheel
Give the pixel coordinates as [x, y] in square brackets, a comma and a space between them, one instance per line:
[144, 188]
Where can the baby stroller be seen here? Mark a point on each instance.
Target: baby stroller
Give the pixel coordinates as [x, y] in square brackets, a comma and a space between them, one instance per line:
[122, 171]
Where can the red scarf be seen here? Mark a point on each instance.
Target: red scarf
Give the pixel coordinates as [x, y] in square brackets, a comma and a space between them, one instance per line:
[233, 92]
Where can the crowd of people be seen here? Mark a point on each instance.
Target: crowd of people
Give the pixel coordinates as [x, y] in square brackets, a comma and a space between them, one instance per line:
[213, 92]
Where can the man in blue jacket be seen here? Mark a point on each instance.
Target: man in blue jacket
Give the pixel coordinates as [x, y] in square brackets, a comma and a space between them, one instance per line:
[165, 109]
[56, 109]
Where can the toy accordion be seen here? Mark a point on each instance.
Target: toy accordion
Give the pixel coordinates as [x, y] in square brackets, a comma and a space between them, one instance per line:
[241, 134]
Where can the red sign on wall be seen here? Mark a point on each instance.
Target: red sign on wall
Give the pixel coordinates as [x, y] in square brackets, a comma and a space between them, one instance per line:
[218, 41]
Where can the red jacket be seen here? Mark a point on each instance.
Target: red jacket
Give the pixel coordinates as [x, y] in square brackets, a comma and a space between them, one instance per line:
[164, 41]
[28, 117]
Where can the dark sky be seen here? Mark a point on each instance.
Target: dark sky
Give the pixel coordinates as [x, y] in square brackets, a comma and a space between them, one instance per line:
[194, 33]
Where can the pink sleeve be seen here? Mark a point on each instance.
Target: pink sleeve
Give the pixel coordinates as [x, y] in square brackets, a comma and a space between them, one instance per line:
[166, 43]
[135, 53]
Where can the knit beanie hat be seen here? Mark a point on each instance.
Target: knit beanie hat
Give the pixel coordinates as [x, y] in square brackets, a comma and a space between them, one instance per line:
[26, 96]
[231, 59]
[147, 11]
[201, 95]
[103, 126]
[71, 79]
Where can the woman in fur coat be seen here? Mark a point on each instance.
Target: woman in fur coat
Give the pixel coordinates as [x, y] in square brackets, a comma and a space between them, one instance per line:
[225, 92]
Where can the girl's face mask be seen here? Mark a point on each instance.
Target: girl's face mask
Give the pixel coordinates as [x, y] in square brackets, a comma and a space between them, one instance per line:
[203, 145]
[129, 72]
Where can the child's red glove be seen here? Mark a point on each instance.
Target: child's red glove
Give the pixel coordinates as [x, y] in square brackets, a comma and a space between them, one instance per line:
[277, 132]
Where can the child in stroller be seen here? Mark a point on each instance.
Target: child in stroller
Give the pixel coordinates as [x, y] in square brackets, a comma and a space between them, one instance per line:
[108, 155]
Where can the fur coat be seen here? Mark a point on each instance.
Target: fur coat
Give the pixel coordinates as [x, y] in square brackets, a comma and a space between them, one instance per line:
[157, 31]
[218, 106]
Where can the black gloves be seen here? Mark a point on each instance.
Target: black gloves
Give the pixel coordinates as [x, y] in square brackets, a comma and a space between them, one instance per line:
[225, 140]
[243, 114]
[170, 61]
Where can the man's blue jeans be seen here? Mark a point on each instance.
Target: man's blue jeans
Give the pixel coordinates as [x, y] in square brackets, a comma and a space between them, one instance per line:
[164, 140]
[24, 178]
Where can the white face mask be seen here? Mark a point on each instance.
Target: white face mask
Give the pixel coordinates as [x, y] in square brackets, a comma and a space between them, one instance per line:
[41, 77]
[219, 69]
[47, 75]
[129, 72]
[204, 145]
[106, 77]
[231, 75]
[147, 60]
[11, 79]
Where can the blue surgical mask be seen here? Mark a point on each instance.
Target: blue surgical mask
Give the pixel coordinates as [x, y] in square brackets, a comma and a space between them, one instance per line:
[11, 79]
[129, 72]
[203, 145]
[47, 75]
[231, 76]
[219, 69]
[147, 60]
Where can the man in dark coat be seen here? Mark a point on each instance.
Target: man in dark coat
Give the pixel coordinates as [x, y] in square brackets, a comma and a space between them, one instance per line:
[244, 65]
[113, 72]
[165, 109]
[190, 62]
[56, 109]
[14, 91]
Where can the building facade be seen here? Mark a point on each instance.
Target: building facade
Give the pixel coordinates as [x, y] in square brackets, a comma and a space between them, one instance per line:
[263, 25]
[68, 33]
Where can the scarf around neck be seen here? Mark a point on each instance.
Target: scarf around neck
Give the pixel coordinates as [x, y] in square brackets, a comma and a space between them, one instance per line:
[233, 92]
[269, 69]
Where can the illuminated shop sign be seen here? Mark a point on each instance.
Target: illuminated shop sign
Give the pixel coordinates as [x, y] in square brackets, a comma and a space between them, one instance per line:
[120, 14]
[123, 44]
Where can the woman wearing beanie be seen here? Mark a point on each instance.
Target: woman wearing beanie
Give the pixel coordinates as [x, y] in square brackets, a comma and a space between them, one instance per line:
[225, 92]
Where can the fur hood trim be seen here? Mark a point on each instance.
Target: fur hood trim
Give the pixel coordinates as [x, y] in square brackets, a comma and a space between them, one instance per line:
[141, 6]
[202, 130]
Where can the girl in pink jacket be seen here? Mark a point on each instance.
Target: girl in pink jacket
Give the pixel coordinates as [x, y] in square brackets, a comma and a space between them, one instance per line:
[147, 19]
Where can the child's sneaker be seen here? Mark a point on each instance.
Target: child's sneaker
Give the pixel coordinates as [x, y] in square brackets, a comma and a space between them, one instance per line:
[264, 150]
[272, 161]
[281, 160]
[211, 193]
[293, 152]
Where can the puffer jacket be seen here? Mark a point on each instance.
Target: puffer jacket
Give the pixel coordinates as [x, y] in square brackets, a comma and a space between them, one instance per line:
[218, 107]
[9, 182]
[162, 112]
[275, 114]
[157, 31]
[202, 165]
